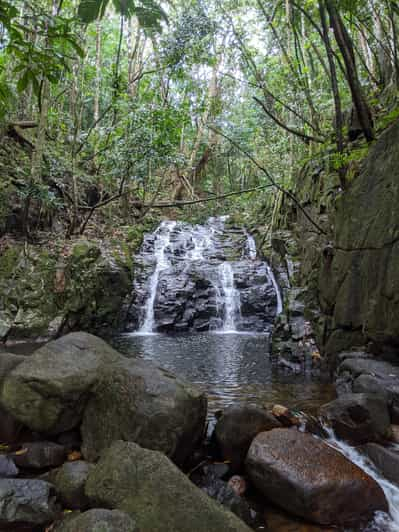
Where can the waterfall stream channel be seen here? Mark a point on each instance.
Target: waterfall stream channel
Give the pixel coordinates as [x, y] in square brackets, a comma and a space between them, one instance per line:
[204, 304]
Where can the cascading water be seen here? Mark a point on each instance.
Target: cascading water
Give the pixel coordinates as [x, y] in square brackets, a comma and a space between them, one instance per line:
[382, 522]
[206, 277]
[251, 249]
[231, 297]
[162, 241]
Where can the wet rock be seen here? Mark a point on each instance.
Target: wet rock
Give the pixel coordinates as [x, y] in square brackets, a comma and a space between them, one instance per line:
[26, 501]
[70, 481]
[385, 459]
[236, 429]
[279, 521]
[158, 410]
[8, 469]
[358, 418]
[224, 494]
[98, 520]
[49, 390]
[40, 455]
[148, 486]
[395, 433]
[306, 477]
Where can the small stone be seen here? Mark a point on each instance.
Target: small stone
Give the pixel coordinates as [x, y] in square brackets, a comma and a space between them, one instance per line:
[395, 433]
[7, 467]
[70, 483]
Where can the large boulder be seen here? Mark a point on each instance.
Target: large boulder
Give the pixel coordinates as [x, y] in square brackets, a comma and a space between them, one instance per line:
[69, 482]
[312, 480]
[358, 418]
[98, 520]
[134, 400]
[236, 429]
[149, 487]
[26, 501]
[49, 390]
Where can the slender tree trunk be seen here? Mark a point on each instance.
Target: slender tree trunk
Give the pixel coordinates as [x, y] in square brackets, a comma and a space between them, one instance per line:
[98, 73]
[339, 122]
[346, 47]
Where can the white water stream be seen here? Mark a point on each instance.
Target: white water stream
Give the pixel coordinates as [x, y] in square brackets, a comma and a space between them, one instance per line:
[162, 241]
[382, 522]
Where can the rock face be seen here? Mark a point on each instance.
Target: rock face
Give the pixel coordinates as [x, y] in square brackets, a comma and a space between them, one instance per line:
[147, 486]
[236, 429]
[188, 263]
[358, 417]
[49, 390]
[136, 401]
[26, 501]
[98, 520]
[52, 291]
[312, 480]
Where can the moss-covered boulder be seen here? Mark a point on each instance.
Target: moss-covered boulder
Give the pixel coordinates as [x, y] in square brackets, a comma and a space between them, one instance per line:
[135, 401]
[49, 390]
[147, 486]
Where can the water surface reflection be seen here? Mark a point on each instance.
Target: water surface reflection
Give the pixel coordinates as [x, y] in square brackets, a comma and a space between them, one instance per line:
[230, 368]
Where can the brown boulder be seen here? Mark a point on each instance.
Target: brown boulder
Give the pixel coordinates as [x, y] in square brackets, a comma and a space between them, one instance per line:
[310, 479]
[358, 417]
[236, 429]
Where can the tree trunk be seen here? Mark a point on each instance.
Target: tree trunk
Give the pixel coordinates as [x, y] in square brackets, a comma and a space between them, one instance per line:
[346, 47]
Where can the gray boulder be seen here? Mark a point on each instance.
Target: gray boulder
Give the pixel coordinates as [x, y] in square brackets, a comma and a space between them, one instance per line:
[26, 501]
[312, 480]
[49, 390]
[385, 459]
[149, 487]
[236, 429]
[69, 482]
[134, 400]
[358, 418]
[98, 520]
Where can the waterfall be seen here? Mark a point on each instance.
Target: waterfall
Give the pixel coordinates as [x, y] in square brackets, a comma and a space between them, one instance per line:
[251, 250]
[162, 241]
[251, 246]
[200, 290]
[382, 521]
[231, 297]
[279, 309]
